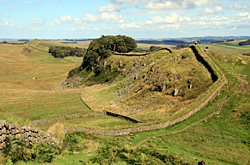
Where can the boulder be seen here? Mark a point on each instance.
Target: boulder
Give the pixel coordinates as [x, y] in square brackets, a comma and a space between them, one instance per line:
[176, 91]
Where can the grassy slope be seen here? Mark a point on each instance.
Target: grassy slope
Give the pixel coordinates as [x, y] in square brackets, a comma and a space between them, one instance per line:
[98, 97]
[222, 139]
[228, 47]
[27, 99]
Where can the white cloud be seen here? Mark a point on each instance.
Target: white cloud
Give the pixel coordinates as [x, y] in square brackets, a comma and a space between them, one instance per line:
[113, 17]
[175, 26]
[131, 25]
[168, 19]
[6, 24]
[233, 28]
[82, 27]
[39, 2]
[237, 6]
[96, 28]
[109, 8]
[215, 10]
[184, 4]
[67, 19]
[244, 14]
[89, 19]
[27, 2]
[5, 15]
[168, 4]
[9, 8]
[33, 22]
[35, 29]
[199, 3]
[122, 1]
[72, 29]
[20, 26]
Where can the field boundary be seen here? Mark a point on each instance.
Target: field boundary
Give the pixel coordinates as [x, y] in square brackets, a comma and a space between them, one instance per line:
[202, 101]
[37, 49]
[126, 131]
[142, 54]
[170, 133]
[49, 120]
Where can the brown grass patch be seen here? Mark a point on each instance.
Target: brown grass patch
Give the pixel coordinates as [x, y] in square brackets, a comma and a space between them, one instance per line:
[57, 130]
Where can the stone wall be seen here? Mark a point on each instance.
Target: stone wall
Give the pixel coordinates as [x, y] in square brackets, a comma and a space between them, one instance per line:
[27, 133]
[122, 116]
[145, 127]
[142, 54]
[37, 49]
[221, 79]
[49, 120]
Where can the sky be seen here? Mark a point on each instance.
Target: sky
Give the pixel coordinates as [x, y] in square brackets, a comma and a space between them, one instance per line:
[53, 19]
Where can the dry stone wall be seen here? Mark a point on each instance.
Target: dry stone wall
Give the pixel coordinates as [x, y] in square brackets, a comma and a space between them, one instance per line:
[145, 127]
[49, 120]
[122, 116]
[161, 125]
[142, 54]
[27, 133]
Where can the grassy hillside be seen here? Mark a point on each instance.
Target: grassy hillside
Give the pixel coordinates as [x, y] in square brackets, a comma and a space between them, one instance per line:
[228, 47]
[218, 134]
[144, 78]
[26, 99]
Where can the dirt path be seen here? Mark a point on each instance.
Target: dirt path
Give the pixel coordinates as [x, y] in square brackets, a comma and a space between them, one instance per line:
[209, 116]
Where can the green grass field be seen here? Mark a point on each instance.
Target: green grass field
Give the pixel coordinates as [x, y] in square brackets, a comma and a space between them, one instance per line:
[228, 47]
[221, 139]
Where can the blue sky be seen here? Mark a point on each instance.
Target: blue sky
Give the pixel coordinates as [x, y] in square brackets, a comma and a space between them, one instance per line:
[53, 19]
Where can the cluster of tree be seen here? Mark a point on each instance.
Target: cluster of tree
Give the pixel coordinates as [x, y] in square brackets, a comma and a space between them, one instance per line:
[4, 41]
[245, 43]
[213, 42]
[24, 40]
[61, 51]
[180, 46]
[230, 40]
[101, 48]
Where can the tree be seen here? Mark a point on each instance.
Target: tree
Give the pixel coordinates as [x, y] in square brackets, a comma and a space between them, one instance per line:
[130, 43]
[101, 48]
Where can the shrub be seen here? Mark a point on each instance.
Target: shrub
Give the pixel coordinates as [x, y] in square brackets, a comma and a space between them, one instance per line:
[17, 150]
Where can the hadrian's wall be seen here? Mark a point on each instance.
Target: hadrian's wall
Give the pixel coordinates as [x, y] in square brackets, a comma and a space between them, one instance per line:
[141, 54]
[27, 133]
[145, 127]
[49, 120]
[161, 125]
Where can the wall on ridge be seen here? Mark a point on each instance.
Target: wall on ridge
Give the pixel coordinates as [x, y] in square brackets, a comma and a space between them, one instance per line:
[49, 120]
[122, 116]
[142, 54]
[220, 81]
[145, 127]
[27, 133]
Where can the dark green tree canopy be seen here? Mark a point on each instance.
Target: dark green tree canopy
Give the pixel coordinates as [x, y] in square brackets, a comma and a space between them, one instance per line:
[101, 48]
[62, 51]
